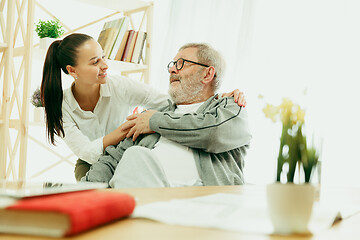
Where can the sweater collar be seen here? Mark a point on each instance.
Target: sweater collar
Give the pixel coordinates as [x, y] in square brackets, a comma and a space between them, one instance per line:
[173, 106]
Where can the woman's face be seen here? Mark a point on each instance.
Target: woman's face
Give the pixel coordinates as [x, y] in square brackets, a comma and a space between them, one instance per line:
[91, 64]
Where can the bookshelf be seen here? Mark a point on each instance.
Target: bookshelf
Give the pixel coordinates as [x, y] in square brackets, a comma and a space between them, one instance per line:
[16, 81]
[130, 8]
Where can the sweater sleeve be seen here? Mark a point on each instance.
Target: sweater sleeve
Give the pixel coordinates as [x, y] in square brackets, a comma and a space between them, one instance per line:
[103, 170]
[223, 126]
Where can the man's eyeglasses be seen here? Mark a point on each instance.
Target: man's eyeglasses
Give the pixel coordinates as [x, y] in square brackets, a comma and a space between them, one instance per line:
[179, 64]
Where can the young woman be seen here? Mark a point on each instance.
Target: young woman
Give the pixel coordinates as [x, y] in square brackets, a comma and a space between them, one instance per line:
[89, 114]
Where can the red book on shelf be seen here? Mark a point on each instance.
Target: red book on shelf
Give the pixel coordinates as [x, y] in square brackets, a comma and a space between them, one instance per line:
[127, 45]
[131, 49]
[65, 214]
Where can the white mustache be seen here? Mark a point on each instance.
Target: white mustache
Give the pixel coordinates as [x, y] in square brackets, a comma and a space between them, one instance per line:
[174, 77]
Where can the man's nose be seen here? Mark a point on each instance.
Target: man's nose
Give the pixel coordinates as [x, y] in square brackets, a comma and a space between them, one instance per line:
[173, 69]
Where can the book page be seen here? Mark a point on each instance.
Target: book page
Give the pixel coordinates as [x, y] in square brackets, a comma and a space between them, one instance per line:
[6, 201]
[223, 211]
[46, 188]
[230, 212]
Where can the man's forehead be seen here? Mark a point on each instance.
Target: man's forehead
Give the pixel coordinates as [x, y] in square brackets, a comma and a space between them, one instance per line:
[187, 53]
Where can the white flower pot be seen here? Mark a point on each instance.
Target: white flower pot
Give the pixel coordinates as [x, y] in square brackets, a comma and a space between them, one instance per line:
[39, 114]
[290, 207]
[46, 42]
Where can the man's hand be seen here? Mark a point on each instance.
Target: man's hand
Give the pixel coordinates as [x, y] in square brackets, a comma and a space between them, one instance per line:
[239, 97]
[138, 123]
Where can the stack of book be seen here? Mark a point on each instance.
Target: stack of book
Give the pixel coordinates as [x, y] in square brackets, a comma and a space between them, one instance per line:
[62, 214]
[122, 44]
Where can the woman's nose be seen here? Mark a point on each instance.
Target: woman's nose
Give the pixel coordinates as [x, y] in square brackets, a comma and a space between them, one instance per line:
[104, 64]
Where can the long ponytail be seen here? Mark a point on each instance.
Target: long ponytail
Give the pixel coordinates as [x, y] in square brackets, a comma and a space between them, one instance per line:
[60, 54]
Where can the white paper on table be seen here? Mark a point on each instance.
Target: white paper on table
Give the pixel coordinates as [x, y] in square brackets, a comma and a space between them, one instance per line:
[223, 211]
[229, 212]
[326, 214]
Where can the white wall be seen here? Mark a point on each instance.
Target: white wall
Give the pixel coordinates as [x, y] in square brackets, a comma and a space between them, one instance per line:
[279, 48]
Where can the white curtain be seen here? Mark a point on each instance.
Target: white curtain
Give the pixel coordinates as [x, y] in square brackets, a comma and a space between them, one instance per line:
[278, 48]
[223, 24]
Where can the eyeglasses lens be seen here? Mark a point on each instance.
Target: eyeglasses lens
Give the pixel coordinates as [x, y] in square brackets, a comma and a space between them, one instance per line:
[179, 64]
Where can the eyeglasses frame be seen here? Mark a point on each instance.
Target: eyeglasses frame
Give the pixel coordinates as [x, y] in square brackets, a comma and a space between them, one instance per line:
[184, 60]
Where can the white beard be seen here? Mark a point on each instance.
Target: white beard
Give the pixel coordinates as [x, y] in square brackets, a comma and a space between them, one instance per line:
[187, 91]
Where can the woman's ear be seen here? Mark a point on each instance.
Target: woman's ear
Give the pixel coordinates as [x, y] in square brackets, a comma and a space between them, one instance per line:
[71, 71]
[209, 75]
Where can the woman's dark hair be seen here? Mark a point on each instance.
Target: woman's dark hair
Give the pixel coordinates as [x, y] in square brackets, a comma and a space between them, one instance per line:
[60, 54]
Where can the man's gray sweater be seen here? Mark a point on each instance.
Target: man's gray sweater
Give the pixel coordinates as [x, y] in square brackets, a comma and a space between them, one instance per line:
[217, 133]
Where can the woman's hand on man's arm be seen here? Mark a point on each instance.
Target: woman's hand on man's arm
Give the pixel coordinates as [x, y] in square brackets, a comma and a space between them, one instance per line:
[115, 136]
[239, 97]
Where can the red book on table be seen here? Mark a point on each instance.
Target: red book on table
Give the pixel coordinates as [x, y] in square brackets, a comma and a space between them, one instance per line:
[65, 214]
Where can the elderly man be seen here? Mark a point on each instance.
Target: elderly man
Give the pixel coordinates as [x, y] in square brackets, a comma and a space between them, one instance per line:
[198, 139]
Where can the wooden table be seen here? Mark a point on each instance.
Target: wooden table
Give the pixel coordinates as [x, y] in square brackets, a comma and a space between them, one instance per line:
[132, 229]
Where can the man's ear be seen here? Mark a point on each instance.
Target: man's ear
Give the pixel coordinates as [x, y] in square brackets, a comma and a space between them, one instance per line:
[71, 71]
[209, 75]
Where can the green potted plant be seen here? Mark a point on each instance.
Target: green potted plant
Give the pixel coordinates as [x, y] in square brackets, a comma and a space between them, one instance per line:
[48, 31]
[293, 152]
[290, 204]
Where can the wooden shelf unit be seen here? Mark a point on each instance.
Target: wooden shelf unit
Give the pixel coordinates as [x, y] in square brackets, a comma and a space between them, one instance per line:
[16, 29]
[13, 153]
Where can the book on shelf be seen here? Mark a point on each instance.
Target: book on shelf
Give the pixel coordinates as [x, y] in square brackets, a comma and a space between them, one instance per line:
[120, 51]
[106, 39]
[120, 37]
[127, 45]
[64, 214]
[121, 44]
[139, 46]
[110, 33]
[131, 48]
